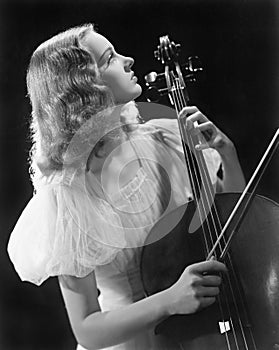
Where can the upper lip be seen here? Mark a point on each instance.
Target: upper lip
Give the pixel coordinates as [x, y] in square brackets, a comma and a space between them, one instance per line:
[132, 75]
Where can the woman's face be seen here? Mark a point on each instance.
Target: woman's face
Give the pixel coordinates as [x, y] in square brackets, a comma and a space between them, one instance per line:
[115, 69]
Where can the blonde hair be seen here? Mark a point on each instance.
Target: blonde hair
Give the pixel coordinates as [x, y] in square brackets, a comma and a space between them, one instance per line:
[65, 90]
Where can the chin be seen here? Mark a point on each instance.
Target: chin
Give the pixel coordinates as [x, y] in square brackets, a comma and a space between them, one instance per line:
[137, 92]
[131, 96]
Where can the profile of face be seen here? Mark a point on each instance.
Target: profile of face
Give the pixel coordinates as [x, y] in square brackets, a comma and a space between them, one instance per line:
[115, 69]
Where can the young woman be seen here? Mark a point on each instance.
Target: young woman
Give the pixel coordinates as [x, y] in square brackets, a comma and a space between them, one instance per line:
[97, 175]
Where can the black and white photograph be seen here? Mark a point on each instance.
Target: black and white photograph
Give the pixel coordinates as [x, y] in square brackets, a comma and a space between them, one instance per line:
[139, 174]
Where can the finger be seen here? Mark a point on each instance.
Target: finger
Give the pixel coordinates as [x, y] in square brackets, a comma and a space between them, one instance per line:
[208, 130]
[186, 111]
[208, 292]
[208, 266]
[211, 280]
[207, 301]
[207, 134]
[198, 116]
[202, 146]
[218, 142]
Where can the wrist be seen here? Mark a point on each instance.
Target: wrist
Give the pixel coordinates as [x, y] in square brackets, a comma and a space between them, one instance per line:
[229, 153]
[167, 302]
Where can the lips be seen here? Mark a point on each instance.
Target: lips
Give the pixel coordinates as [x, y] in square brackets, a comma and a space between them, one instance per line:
[133, 77]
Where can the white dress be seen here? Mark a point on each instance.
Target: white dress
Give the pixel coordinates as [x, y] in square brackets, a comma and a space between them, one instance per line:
[71, 227]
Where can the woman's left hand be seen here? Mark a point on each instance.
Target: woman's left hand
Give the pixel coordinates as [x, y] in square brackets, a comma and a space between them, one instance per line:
[211, 136]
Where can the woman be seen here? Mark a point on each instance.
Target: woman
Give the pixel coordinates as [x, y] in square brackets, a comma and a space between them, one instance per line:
[99, 189]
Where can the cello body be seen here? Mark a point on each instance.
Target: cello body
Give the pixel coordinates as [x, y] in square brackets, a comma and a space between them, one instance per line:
[241, 230]
[246, 319]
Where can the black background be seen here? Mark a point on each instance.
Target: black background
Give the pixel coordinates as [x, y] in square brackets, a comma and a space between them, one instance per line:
[237, 42]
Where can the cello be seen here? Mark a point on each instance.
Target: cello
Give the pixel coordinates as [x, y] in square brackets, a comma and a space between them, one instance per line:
[239, 229]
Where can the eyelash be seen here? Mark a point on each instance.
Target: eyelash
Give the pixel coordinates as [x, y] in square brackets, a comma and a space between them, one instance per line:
[110, 58]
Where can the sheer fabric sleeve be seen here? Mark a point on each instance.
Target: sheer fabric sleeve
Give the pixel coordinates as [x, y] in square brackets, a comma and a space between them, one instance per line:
[170, 135]
[62, 231]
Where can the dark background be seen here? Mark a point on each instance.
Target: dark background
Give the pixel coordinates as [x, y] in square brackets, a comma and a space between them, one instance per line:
[236, 40]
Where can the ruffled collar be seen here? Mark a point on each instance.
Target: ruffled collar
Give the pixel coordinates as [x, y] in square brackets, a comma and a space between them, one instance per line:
[79, 150]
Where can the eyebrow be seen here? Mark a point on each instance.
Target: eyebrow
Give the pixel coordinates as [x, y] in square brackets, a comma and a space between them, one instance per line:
[103, 54]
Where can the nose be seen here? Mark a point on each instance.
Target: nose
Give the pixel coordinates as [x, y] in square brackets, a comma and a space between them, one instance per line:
[128, 63]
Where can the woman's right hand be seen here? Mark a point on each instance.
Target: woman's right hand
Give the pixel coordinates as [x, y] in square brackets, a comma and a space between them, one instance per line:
[196, 288]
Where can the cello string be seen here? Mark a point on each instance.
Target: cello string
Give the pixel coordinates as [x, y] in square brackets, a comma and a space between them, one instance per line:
[229, 279]
[225, 291]
[199, 199]
[203, 168]
[262, 165]
[208, 222]
[231, 289]
[210, 192]
[192, 172]
[214, 252]
[206, 180]
[209, 187]
[253, 182]
[192, 176]
[179, 104]
[192, 169]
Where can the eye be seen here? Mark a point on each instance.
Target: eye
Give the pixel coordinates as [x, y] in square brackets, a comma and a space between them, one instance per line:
[110, 58]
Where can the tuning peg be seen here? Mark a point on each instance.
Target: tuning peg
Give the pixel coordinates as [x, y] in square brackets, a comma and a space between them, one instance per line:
[177, 47]
[157, 54]
[150, 78]
[194, 64]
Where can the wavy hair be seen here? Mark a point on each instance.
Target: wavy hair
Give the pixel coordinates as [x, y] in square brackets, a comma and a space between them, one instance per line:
[65, 90]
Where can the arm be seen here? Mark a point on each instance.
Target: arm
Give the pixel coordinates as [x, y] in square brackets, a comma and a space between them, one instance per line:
[233, 178]
[95, 329]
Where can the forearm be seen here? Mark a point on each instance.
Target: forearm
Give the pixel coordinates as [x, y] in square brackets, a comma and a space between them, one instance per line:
[233, 178]
[104, 329]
